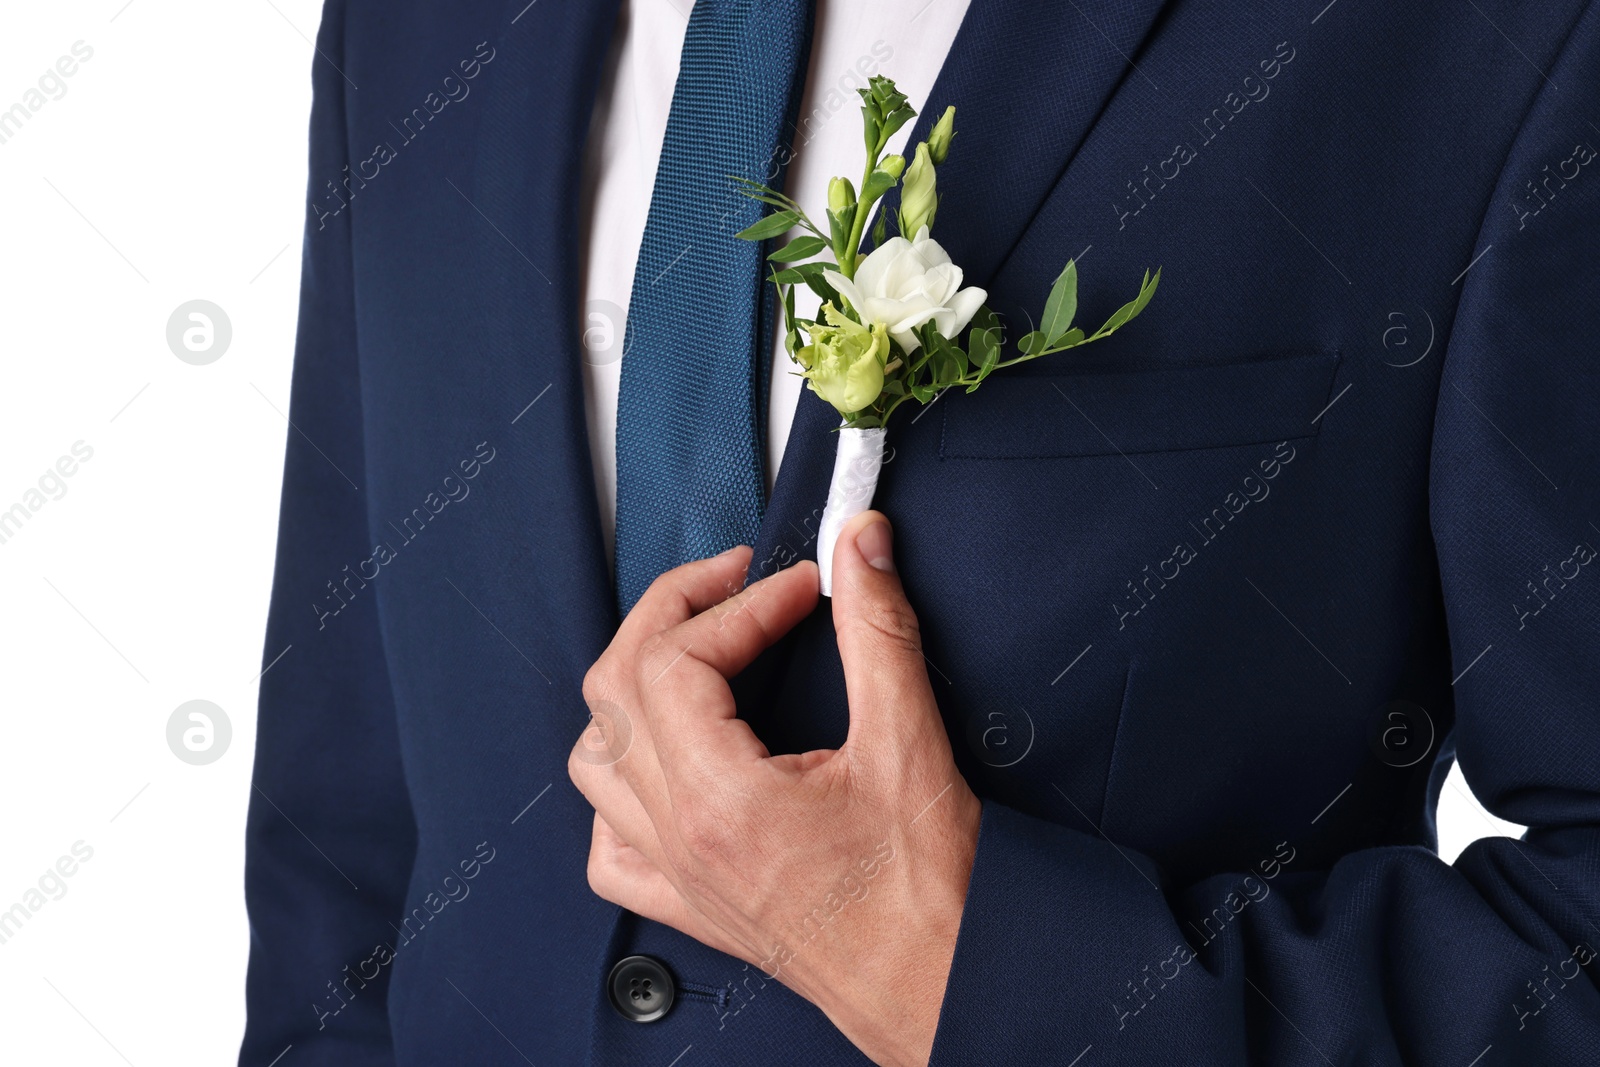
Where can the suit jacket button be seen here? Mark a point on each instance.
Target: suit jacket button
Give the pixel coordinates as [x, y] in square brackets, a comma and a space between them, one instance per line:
[641, 988]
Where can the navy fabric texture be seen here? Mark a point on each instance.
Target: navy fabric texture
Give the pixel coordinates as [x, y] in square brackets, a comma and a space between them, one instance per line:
[690, 417]
[1237, 585]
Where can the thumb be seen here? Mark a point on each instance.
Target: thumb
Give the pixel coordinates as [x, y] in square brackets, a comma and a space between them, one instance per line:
[880, 642]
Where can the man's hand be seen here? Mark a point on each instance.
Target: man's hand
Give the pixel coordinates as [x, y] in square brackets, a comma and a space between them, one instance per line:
[841, 873]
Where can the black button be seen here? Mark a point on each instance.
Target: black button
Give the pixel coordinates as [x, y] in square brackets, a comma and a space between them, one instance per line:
[641, 989]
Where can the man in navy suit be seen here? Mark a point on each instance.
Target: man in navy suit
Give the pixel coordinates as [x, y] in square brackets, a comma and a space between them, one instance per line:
[1123, 745]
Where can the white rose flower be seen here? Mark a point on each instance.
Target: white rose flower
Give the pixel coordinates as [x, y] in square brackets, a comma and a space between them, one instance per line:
[903, 284]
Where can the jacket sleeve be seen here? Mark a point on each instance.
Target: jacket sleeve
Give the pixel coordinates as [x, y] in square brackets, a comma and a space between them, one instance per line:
[330, 834]
[1068, 948]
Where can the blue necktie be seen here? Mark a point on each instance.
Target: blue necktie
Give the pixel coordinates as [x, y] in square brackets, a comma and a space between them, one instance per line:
[691, 409]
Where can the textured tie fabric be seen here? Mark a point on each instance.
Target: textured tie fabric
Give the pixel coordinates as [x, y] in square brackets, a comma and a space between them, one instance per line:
[690, 414]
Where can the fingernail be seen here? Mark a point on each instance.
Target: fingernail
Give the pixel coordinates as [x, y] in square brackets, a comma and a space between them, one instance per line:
[876, 545]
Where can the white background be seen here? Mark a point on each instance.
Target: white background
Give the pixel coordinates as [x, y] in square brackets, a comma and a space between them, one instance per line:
[172, 169]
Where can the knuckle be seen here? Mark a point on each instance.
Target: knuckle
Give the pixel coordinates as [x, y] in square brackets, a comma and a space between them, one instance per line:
[599, 874]
[597, 681]
[668, 583]
[672, 587]
[577, 767]
[659, 586]
[656, 654]
[653, 646]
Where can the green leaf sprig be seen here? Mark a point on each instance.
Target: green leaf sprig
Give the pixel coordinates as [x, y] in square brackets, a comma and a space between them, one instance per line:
[836, 356]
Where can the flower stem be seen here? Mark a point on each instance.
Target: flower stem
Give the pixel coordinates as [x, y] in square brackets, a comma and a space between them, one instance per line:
[852, 250]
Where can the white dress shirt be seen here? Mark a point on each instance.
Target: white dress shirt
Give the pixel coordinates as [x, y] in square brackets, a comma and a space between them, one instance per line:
[906, 40]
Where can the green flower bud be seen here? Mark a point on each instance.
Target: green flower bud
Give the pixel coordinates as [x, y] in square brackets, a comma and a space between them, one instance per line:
[939, 139]
[841, 194]
[919, 200]
[893, 166]
[845, 361]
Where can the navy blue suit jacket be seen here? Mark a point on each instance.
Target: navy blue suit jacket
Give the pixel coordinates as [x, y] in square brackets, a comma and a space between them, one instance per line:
[1209, 608]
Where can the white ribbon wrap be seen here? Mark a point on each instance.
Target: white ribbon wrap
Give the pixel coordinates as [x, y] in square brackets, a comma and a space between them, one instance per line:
[855, 480]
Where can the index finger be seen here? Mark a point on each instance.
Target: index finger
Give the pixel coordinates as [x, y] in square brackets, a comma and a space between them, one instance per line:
[683, 592]
[683, 671]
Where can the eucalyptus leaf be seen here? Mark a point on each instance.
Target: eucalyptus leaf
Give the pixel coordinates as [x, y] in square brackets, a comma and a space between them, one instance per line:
[1119, 318]
[779, 222]
[764, 193]
[811, 274]
[800, 248]
[1032, 344]
[764, 188]
[1062, 304]
[1071, 339]
[825, 292]
[791, 332]
[1126, 312]
[1147, 289]
[765, 199]
[983, 347]
[985, 339]
[952, 352]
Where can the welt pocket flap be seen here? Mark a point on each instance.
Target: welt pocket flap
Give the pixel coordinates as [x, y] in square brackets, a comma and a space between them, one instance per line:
[1166, 410]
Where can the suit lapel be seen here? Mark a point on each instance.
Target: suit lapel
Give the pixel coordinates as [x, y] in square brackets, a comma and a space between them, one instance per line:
[1028, 81]
[524, 183]
[789, 527]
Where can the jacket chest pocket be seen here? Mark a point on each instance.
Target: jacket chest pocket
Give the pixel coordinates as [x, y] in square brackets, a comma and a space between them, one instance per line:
[1174, 409]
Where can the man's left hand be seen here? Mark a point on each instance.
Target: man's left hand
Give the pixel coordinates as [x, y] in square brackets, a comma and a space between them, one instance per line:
[842, 873]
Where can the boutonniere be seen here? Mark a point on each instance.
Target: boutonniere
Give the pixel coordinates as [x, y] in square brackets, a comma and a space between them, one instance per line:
[892, 320]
